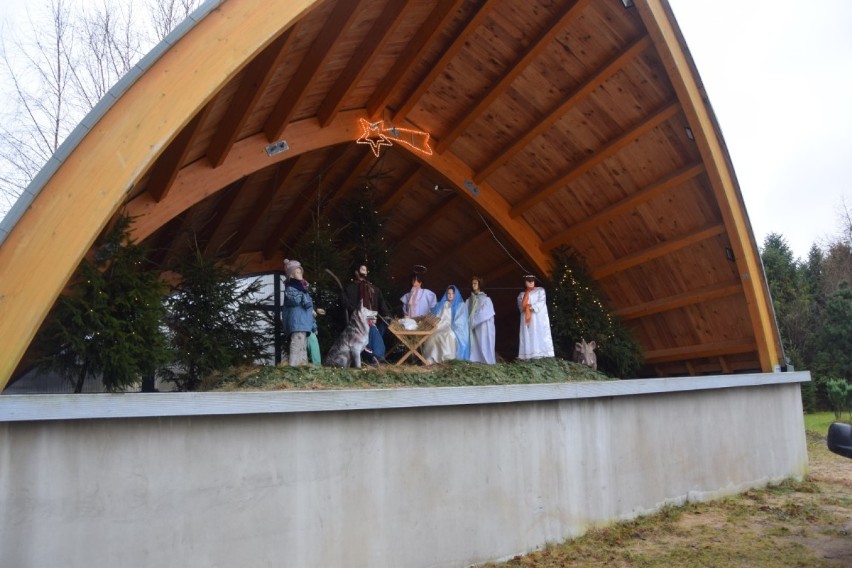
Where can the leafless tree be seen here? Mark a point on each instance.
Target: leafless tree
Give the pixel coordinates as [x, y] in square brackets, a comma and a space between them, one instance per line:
[837, 264]
[55, 70]
[39, 112]
[845, 216]
[167, 14]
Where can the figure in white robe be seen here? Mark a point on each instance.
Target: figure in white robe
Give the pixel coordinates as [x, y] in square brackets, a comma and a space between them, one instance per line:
[535, 339]
[451, 338]
[419, 301]
[480, 313]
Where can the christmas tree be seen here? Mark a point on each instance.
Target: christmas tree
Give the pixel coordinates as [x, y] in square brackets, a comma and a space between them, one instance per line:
[364, 231]
[577, 313]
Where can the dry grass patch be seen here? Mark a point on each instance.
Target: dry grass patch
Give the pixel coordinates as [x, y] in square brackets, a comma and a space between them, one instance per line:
[450, 374]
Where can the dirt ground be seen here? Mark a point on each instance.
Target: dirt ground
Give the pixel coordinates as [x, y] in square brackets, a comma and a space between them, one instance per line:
[806, 523]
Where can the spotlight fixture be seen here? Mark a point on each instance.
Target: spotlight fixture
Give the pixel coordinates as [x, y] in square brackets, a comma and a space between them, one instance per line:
[627, 3]
[277, 148]
[689, 133]
[729, 253]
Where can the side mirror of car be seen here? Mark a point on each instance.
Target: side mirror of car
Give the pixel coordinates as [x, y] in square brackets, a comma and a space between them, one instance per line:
[840, 439]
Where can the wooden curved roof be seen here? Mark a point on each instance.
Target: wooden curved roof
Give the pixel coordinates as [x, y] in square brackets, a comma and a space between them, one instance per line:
[550, 123]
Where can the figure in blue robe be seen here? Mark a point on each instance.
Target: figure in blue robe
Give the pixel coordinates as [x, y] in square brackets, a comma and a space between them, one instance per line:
[451, 339]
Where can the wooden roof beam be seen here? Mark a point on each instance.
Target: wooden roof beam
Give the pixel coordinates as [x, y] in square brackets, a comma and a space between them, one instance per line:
[486, 199]
[223, 207]
[668, 41]
[680, 300]
[356, 172]
[447, 56]
[329, 36]
[425, 224]
[294, 218]
[285, 225]
[198, 180]
[595, 159]
[283, 176]
[624, 206]
[364, 56]
[166, 168]
[175, 251]
[252, 86]
[534, 49]
[401, 189]
[700, 351]
[501, 271]
[169, 234]
[438, 19]
[459, 248]
[657, 251]
[608, 69]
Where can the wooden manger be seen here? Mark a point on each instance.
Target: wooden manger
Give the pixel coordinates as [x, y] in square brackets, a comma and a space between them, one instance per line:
[414, 339]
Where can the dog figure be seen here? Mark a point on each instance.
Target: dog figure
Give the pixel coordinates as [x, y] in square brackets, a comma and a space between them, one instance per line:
[584, 353]
[347, 348]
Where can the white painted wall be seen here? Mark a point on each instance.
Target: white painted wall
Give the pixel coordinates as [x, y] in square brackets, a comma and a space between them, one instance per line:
[418, 480]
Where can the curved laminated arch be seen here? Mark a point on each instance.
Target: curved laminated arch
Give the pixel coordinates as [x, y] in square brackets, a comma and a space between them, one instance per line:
[193, 183]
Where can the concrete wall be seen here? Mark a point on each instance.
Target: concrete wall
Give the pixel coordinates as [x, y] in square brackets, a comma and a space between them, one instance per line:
[409, 477]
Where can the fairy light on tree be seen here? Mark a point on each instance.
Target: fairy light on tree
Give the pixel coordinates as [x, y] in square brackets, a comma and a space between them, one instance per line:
[364, 230]
[577, 312]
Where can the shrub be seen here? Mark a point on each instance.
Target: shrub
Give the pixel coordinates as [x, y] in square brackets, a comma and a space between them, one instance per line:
[838, 395]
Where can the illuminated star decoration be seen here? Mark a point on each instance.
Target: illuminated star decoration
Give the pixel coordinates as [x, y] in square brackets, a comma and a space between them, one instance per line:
[368, 131]
[377, 135]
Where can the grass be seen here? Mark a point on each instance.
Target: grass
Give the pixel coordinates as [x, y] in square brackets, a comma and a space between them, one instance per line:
[450, 374]
[795, 523]
[820, 421]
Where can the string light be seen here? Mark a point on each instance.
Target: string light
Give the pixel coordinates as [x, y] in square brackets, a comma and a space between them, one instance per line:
[377, 135]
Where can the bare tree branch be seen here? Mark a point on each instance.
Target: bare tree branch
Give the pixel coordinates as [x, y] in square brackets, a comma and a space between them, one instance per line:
[56, 70]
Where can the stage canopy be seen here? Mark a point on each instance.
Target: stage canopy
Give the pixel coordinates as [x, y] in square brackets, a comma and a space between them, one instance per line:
[490, 133]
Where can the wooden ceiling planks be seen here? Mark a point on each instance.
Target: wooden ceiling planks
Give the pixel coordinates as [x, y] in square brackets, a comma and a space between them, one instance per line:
[318, 53]
[437, 21]
[449, 52]
[253, 82]
[364, 56]
[511, 72]
[281, 179]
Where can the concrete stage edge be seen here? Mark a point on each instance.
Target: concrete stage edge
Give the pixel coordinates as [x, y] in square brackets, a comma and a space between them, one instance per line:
[390, 477]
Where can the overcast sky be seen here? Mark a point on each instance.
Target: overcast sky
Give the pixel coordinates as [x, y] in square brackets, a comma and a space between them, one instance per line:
[779, 77]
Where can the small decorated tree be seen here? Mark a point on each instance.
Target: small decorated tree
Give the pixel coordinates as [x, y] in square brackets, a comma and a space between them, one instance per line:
[364, 230]
[577, 312]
